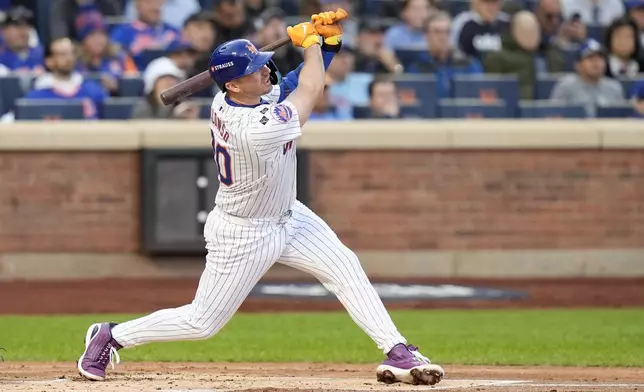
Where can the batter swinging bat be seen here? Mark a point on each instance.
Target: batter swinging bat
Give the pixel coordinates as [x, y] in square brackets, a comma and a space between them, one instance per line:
[203, 80]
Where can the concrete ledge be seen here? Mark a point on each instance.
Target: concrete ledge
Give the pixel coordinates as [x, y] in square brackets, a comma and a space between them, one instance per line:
[338, 135]
[605, 263]
[85, 135]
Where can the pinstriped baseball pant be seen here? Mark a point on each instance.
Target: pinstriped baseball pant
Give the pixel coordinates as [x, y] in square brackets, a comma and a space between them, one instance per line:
[240, 251]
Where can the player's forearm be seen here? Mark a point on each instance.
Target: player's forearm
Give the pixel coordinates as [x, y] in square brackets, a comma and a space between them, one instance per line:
[310, 85]
[312, 74]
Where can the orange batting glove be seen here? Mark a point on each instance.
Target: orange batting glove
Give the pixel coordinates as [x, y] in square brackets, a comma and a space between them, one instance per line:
[304, 35]
[328, 26]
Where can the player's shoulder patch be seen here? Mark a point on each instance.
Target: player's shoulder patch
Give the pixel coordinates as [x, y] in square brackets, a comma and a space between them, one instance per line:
[282, 113]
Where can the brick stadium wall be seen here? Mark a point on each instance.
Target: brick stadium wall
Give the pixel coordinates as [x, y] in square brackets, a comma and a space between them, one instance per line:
[528, 199]
[376, 200]
[69, 202]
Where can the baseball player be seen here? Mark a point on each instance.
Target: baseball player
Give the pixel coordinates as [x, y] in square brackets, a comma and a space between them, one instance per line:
[256, 120]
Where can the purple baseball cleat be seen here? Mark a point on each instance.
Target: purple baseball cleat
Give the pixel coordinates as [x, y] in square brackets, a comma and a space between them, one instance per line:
[100, 349]
[407, 365]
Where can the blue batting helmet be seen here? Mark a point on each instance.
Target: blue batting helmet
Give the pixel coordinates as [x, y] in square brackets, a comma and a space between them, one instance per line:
[237, 58]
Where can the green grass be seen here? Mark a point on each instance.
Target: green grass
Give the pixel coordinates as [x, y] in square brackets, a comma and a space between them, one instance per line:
[509, 337]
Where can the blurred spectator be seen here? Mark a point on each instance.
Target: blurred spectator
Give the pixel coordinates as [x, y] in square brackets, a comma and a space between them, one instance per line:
[16, 53]
[97, 54]
[479, 30]
[520, 54]
[346, 89]
[63, 14]
[231, 20]
[624, 50]
[160, 75]
[64, 82]
[199, 30]
[383, 100]
[409, 34]
[636, 11]
[350, 25]
[310, 7]
[441, 58]
[556, 31]
[173, 12]
[368, 47]
[270, 27]
[148, 32]
[182, 54]
[323, 110]
[588, 86]
[637, 99]
[593, 12]
[255, 7]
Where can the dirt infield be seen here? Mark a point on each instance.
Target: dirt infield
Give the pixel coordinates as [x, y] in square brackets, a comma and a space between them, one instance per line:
[200, 377]
[122, 296]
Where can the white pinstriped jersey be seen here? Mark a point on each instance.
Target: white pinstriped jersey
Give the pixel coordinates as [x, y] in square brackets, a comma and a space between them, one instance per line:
[254, 149]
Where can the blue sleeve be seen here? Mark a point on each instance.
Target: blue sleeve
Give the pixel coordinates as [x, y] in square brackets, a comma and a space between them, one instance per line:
[391, 38]
[121, 36]
[289, 83]
[475, 67]
[635, 90]
[97, 94]
[35, 94]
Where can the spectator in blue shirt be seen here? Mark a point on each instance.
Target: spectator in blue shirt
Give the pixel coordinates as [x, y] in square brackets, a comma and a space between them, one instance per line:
[16, 53]
[324, 110]
[637, 99]
[173, 12]
[441, 58]
[346, 88]
[98, 54]
[409, 34]
[64, 82]
[148, 32]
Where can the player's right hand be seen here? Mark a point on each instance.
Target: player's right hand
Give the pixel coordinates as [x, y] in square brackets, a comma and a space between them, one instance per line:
[304, 35]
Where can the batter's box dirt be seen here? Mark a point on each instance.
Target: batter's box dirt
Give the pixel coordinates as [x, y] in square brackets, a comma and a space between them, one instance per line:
[265, 377]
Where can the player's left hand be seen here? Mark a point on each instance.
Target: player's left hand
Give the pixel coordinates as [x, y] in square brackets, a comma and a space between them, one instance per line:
[328, 26]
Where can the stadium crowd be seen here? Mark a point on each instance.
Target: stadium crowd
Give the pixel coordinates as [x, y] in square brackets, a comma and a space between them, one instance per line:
[110, 59]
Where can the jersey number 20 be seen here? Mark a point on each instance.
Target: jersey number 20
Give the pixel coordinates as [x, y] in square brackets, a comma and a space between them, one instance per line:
[224, 163]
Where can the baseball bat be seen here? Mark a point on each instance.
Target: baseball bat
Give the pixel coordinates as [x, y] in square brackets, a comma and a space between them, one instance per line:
[203, 80]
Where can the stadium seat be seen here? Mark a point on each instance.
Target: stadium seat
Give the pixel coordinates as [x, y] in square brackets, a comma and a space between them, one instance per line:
[12, 88]
[407, 111]
[130, 86]
[627, 84]
[471, 108]
[549, 109]
[147, 56]
[615, 111]
[49, 109]
[545, 84]
[489, 88]
[570, 59]
[119, 108]
[417, 90]
[455, 7]
[408, 57]
[204, 106]
[595, 32]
